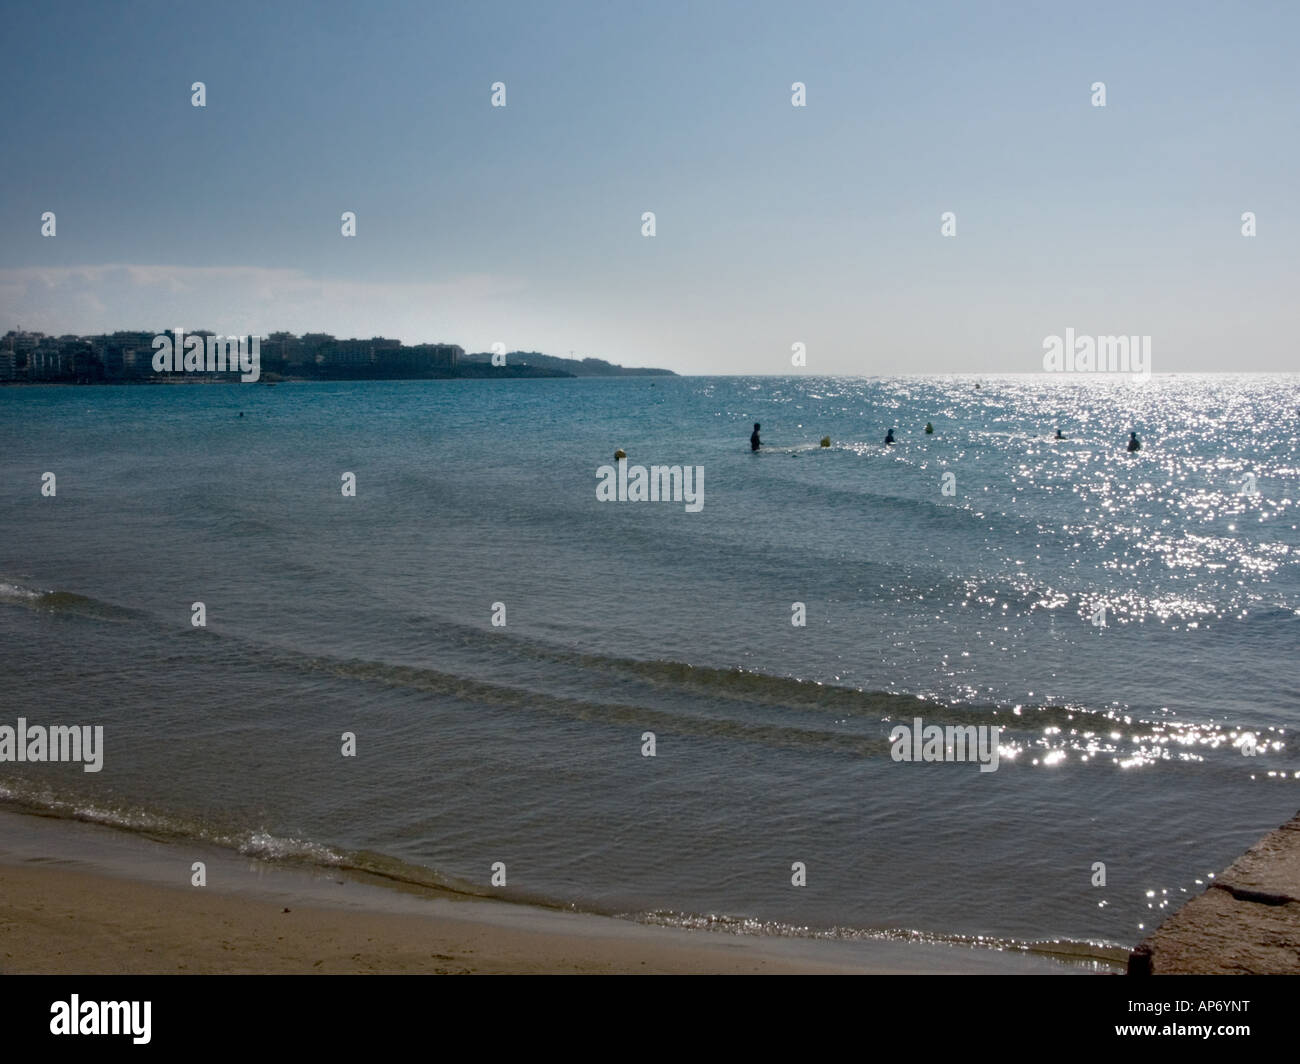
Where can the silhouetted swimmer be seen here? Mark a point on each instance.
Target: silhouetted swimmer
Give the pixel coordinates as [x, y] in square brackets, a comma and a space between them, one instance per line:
[889, 437]
[241, 413]
[1058, 435]
[929, 429]
[754, 442]
[1134, 444]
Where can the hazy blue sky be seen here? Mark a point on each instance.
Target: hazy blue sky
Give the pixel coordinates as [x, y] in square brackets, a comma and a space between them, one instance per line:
[775, 224]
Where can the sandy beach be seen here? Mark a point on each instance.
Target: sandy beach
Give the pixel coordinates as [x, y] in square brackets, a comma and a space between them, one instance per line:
[79, 898]
[60, 921]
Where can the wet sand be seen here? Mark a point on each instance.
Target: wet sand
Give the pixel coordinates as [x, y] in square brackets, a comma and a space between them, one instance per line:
[55, 920]
[79, 898]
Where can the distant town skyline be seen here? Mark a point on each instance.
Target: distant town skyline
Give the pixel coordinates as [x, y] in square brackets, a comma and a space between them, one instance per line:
[898, 188]
[141, 355]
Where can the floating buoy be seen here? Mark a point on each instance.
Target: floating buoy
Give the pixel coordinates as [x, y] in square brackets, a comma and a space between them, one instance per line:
[619, 454]
[826, 441]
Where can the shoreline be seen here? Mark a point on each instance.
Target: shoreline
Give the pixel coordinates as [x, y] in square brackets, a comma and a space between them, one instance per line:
[80, 898]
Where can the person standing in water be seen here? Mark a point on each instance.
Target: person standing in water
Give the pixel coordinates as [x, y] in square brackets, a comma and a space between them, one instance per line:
[1058, 435]
[889, 438]
[1134, 444]
[754, 442]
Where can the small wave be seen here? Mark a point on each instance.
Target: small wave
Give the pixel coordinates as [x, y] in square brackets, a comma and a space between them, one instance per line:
[1031, 734]
[719, 702]
[257, 843]
[62, 602]
[1096, 954]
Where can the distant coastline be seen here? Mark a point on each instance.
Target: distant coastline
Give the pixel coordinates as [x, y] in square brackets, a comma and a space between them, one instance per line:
[126, 357]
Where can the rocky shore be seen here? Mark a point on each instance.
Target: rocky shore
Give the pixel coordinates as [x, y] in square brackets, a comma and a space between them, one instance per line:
[1246, 923]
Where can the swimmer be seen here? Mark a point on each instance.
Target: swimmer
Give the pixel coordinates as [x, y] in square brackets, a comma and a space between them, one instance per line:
[889, 438]
[1134, 444]
[754, 442]
[929, 429]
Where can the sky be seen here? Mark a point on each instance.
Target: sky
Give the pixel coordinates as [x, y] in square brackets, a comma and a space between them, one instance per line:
[774, 224]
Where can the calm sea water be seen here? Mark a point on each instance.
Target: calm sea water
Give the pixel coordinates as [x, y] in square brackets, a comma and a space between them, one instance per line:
[522, 744]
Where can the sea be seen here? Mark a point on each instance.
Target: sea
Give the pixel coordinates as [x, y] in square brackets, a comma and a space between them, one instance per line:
[431, 650]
